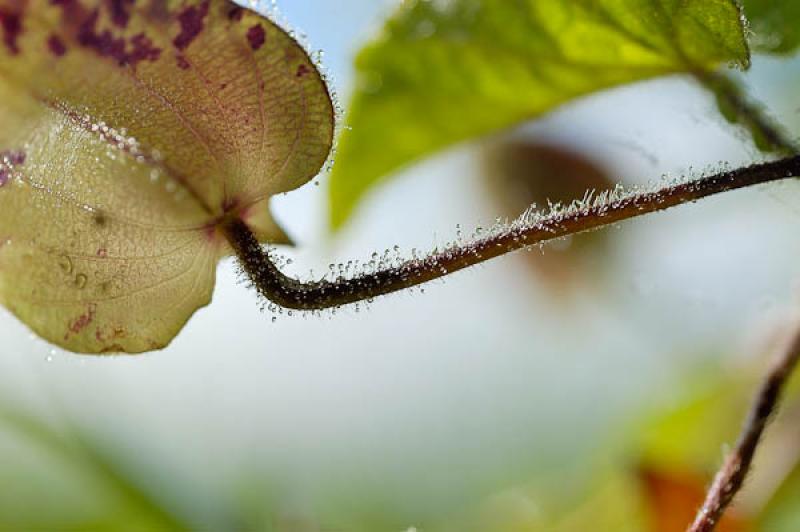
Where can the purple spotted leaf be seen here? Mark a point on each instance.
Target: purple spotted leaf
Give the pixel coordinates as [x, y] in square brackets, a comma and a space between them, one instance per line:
[131, 129]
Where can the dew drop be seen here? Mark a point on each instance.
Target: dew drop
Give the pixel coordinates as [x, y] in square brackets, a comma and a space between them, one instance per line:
[65, 263]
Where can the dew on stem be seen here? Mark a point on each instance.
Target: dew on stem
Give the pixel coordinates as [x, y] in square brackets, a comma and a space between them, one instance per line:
[385, 275]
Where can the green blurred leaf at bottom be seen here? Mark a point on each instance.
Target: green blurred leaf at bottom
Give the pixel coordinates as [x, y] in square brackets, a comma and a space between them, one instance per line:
[61, 480]
[445, 72]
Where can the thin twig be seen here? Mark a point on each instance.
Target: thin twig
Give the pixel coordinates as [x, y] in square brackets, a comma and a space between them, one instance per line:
[530, 230]
[732, 474]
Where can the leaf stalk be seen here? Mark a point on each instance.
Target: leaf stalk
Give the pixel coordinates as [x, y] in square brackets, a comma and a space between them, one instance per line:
[530, 230]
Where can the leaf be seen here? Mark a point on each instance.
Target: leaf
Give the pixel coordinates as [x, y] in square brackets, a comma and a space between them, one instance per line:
[65, 480]
[130, 130]
[781, 513]
[446, 72]
[775, 23]
[609, 502]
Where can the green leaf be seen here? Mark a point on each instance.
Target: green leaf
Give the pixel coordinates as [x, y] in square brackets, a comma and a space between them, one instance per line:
[130, 130]
[58, 479]
[775, 24]
[445, 72]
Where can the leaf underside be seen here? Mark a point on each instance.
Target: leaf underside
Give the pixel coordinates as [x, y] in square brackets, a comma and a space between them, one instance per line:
[445, 72]
[130, 129]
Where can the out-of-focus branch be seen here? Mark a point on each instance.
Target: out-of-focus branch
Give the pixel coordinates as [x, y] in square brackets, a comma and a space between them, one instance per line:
[733, 473]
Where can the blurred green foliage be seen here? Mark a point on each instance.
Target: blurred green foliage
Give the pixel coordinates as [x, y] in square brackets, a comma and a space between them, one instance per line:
[71, 479]
[54, 479]
[775, 23]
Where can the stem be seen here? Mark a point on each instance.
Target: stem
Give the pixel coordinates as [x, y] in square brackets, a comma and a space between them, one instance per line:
[731, 476]
[530, 230]
[738, 108]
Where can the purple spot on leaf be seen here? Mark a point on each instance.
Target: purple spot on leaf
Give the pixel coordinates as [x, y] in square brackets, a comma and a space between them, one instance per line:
[11, 23]
[119, 12]
[143, 50]
[303, 71]
[191, 21]
[9, 159]
[12, 157]
[56, 46]
[256, 37]
[183, 63]
[106, 45]
[235, 14]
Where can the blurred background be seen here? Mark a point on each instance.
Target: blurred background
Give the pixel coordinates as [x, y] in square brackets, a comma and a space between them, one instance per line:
[590, 387]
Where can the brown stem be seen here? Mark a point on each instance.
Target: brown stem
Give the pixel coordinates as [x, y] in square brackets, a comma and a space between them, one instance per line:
[294, 294]
[731, 476]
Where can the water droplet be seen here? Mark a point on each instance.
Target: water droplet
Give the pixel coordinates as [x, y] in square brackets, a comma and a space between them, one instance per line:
[65, 263]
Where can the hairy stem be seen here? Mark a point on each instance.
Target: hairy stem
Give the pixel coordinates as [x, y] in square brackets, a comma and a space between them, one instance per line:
[526, 232]
[731, 476]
